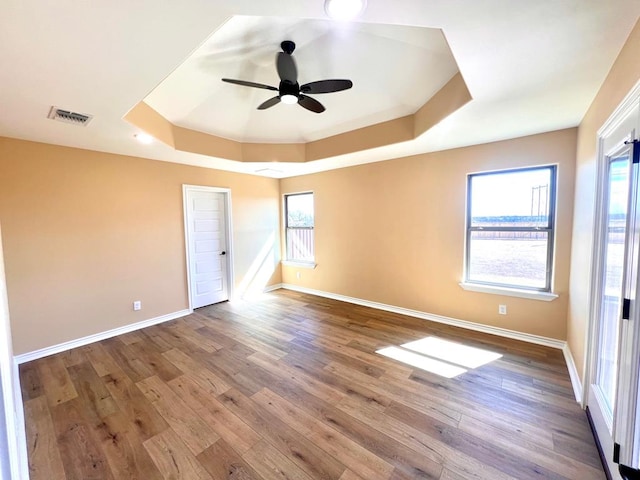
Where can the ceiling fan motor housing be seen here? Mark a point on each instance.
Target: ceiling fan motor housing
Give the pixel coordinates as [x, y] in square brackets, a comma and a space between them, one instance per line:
[289, 88]
[288, 46]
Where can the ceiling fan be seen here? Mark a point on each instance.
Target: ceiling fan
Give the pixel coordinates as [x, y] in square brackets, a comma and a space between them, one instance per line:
[289, 91]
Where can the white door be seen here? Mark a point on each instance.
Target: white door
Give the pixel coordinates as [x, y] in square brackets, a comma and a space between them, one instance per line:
[617, 246]
[206, 225]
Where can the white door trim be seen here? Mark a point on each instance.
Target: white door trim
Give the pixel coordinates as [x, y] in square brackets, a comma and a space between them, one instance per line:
[13, 427]
[622, 111]
[228, 234]
[607, 140]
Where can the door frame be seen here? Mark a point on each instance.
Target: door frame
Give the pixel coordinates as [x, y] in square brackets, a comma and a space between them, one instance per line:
[11, 397]
[629, 105]
[228, 234]
[626, 107]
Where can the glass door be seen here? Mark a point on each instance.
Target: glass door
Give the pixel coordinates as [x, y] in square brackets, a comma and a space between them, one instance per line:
[611, 300]
[626, 418]
[616, 272]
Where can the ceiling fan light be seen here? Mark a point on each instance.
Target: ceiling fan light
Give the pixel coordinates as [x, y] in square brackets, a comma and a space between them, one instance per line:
[344, 9]
[288, 99]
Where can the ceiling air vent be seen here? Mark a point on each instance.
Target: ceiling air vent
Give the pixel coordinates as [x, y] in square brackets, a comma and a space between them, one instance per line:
[67, 116]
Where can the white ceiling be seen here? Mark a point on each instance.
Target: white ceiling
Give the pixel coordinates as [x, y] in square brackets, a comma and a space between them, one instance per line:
[530, 67]
[395, 70]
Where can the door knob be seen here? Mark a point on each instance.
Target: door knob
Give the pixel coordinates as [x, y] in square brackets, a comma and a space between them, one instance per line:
[223, 253]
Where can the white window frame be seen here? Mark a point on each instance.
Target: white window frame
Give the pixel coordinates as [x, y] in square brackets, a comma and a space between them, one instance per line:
[287, 257]
[514, 290]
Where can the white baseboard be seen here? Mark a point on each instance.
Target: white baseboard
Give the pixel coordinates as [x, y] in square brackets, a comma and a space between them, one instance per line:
[96, 337]
[271, 288]
[478, 327]
[573, 373]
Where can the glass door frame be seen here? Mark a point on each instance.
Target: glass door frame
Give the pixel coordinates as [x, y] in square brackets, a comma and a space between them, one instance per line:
[613, 155]
[621, 126]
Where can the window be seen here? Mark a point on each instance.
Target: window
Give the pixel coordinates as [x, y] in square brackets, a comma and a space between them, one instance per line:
[299, 227]
[510, 226]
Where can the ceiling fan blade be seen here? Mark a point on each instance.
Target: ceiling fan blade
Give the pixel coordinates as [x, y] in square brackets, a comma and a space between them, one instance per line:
[269, 103]
[286, 67]
[310, 104]
[244, 83]
[326, 86]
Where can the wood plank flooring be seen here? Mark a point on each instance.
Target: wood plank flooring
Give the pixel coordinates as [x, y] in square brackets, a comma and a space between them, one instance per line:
[290, 387]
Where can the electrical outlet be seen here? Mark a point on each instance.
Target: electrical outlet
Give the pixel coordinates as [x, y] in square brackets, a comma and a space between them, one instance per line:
[137, 305]
[298, 275]
[502, 309]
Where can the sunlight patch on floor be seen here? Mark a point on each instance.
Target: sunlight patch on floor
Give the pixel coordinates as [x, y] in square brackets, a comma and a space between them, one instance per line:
[442, 357]
[422, 362]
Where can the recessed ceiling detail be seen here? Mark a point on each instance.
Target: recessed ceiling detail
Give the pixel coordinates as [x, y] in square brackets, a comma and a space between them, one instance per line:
[447, 100]
[405, 80]
[394, 69]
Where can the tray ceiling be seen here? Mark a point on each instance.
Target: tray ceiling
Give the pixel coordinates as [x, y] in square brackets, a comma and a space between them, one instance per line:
[395, 70]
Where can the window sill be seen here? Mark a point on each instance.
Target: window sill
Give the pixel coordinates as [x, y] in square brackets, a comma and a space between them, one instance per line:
[511, 292]
[290, 263]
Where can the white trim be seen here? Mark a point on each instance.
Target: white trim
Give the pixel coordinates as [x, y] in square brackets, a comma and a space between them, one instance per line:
[96, 337]
[602, 409]
[22, 457]
[301, 192]
[13, 431]
[230, 246]
[228, 233]
[291, 263]
[619, 115]
[271, 288]
[595, 270]
[573, 373]
[628, 104]
[510, 292]
[600, 425]
[478, 327]
[283, 230]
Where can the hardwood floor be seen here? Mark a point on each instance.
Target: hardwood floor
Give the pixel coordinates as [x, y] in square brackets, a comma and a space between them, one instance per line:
[290, 387]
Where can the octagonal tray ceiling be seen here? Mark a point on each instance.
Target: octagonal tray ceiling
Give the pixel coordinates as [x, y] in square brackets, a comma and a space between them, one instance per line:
[395, 70]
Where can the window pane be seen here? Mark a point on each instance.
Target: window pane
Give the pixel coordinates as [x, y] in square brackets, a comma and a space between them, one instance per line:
[511, 199]
[300, 210]
[300, 223]
[509, 258]
[300, 244]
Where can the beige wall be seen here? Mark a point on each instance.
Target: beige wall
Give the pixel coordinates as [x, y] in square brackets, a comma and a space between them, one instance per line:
[87, 233]
[623, 76]
[393, 232]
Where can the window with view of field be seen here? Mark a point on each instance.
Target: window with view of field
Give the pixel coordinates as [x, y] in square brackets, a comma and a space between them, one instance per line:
[299, 224]
[510, 228]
